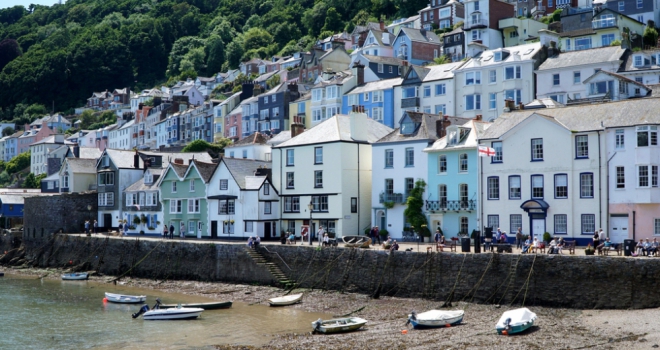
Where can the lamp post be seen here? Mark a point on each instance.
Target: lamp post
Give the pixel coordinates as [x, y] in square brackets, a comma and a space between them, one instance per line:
[309, 234]
[89, 211]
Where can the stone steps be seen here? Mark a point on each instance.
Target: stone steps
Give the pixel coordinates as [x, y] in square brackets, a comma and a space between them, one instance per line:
[274, 270]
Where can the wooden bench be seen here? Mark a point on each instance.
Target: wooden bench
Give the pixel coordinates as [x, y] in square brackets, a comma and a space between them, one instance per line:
[451, 246]
[539, 249]
[502, 247]
[616, 247]
[569, 246]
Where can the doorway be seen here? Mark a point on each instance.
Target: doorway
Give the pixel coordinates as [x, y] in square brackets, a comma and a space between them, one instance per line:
[214, 229]
[618, 228]
[199, 229]
[538, 228]
[107, 221]
[267, 230]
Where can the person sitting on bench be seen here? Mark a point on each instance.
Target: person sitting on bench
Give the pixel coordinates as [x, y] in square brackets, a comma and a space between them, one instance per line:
[291, 239]
[326, 240]
[394, 246]
[526, 245]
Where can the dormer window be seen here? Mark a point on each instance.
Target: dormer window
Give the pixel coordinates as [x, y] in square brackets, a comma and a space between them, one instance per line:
[498, 56]
[407, 126]
[638, 60]
[452, 135]
[463, 133]
[148, 178]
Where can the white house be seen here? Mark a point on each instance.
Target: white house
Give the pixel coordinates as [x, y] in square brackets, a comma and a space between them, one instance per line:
[487, 80]
[242, 201]
[437, 90]
[254, 146]
[328, 92]
[561, 187]
[120, 138]
[328, 168]
[40, 151]
[77, 175]
[561, 76]
[642, 66]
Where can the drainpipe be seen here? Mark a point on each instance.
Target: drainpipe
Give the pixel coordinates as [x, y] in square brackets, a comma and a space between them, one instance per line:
[634, 225]
[600, 184]
[281, 190]
[358, 187]
[481, 193]
[607, 208]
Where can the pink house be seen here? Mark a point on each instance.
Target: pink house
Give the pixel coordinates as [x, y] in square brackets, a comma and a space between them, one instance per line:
[31, 136]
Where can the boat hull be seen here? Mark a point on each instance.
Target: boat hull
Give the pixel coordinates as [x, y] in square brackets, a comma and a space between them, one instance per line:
[287, 300]
[125, 299]
[75, 276]
[422, 324]
[205, 306]
[172, 314]
[338, 325]
[356, 241]
[518, 320]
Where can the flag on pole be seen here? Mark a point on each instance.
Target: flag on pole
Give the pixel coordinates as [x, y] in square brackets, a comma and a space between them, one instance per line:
[137, 206]
[486, 151]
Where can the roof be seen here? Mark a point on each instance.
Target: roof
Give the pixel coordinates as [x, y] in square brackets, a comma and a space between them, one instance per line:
[617, 76]
[241, 168]
[583, 57]
[51, 118]
[384, 60]
[376, 85]
[282, 136]
[477, 129]
[515, 53]
[416, 35]
[49, 139]
[81, 165]
[254, 182]
[337, 128]
[425, 131]
[628, 64]
[587, 117]
[205, 170]
[90, 153]
[442, 71]
[255, 139]
[123, 159]
[265, 76]
[185, 156]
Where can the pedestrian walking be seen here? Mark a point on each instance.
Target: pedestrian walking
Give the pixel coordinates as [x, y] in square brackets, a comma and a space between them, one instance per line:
[96, 227]
[519, 238]
[319, 233]
[164, 231]
[182, 230]
[87, 227]
[120, 228]
[171, 231]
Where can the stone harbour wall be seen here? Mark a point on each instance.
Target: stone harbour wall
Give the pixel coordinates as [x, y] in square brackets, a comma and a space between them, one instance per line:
[68, 212]
[576, 281]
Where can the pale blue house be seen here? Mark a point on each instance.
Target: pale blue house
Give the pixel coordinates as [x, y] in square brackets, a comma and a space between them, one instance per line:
[417, 46]
[377, 97]
[453, 178]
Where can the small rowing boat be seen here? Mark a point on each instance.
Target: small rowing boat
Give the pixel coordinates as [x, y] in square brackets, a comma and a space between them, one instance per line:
[177, 313]
[338, 325]
[515, 321]
[125, 299]
[206, 306]
[436, 318]
[286, 300]
[356, 241]
[78, 276]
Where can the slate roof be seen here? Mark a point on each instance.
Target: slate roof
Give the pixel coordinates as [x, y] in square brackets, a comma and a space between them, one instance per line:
[241, 168]
[477, 129]
[486, 58]
[377, 85]
[617, 76]
[628, 64]
[122, 159]
[186, 156]
[205, 170]
[282, 136]
[256, 138]
[586, 117]
[337, 128]
[442, 71]
[265, 76]
[384, 60]
[81, 165]
[179, 169]
[583, 57]
[254, 182]
[416, 35]
[426, 129]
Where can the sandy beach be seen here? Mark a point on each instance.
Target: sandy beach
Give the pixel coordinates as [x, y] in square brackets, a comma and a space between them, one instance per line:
[556, 328]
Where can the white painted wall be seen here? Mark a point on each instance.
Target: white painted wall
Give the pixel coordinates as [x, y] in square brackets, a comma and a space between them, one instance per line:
[567, 85]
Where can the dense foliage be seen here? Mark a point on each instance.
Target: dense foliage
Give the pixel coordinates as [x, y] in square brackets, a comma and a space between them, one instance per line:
[214, 149]
[65, 52]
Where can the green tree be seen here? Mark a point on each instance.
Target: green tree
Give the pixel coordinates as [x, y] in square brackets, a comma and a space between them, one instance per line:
[215, 55]
[256, 38]
[234, 54]
[413, 212]
[8, 131]
[650, 36]
[273, 81]
[32, 181]
[18, 163]
[333, 21]
[314, 18]
[9, 50]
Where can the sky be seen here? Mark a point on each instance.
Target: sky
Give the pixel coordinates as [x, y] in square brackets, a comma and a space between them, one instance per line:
[26, 3]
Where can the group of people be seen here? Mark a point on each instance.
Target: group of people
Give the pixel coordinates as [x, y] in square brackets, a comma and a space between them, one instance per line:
[390, 244]
[554, 247]
[439, 239]
[498, 237]
[646, 248]
[169, 231]
[88, 226]
[253, 242]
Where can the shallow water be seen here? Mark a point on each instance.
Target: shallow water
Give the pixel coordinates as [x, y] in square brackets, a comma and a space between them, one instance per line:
[51, 314]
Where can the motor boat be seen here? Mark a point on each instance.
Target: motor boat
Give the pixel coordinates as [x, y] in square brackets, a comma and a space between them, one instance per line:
[338, 325]
[77, 276]
[177, 313]
[515, 321]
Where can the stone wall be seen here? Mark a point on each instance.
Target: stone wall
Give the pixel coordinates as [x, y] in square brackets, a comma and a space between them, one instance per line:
[68, 212]
[551, 280]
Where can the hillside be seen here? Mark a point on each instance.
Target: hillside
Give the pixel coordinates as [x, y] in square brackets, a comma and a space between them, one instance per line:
[60, 54]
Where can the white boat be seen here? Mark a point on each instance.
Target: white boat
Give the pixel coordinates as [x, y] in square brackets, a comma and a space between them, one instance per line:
[338, 325]
[75, 276]
[286, 300]
[177, 313]
[515, 321]
[436, 318]
[125, 299]
[356, 241]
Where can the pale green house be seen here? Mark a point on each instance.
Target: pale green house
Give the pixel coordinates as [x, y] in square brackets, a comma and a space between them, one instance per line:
[183, 196]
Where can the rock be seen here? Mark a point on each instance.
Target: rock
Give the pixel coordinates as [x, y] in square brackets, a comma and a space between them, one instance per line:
[655, 346]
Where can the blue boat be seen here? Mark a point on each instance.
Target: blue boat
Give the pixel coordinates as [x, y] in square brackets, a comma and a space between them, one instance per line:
[515, 321]
[75, 276]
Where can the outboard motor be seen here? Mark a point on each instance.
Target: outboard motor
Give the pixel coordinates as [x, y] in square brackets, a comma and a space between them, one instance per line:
[157, 305]
[507, 326]
[317, 325]
[143, 309]
[413, 317]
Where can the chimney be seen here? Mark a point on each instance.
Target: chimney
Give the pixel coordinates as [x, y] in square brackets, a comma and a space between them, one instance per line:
[147, 163]
[263, 172]
[358, 123]
[58, 138]
[521, 106]
[422, 31]
[439, 128]
[297, 127]
[178, 161]
[27, 127]
[445, 124]
[404, 68]
[246, 91]
[140, 105]
[382, 25]
[478, 117]
[328, 74]
[257, 90]
[510, 104]
[293, 87]
[76, 150]
[358, 71]
[136, 160]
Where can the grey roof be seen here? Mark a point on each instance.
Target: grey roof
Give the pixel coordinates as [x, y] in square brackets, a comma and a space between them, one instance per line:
[384, 60]
[416, 35]
[583, 57]
[179, 169]
[123, 159]
[265, 76]
[477, 129]
[205, 170]
[586, 117]
[628, 64]
[185, 156]
[90, 153]
[617, 76]
[254, 182]
[256, 138]
[376, 85]
[337, 128]
[426, 129]
[282, 136]
[241, 168]
[442, 71]
[81, 165]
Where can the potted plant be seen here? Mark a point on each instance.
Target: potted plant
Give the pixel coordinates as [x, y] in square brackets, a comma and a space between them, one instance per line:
[151, 228]
[136, 220]
[388, 204]
[383, 234]
[589, 250]
[143, 219]
[547, 237]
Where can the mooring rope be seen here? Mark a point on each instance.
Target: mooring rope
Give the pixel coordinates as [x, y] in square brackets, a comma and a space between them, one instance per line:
[138, 263]
[451, 294]
[526, 285]
[476, 286]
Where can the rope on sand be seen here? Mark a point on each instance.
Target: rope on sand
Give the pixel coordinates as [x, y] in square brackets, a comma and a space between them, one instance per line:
[137, 263]
[350, 313]
[476, 286]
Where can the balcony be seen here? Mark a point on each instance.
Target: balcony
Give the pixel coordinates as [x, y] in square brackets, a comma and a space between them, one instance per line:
[603, 23]
[445, 205]
[410, 102]
[391, 197]
[475, 23]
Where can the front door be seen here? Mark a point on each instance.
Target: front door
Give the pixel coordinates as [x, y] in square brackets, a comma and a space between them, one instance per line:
[199, 229]
[618, 229]
[267, 229]
[538, 228]
[214, 229]
[107, 221]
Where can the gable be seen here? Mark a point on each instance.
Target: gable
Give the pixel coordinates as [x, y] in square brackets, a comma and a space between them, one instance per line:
[536, 124]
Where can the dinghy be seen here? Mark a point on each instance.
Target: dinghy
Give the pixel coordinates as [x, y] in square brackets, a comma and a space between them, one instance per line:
[356, 241]
[338, 325]
[286, 300]
[206, 306]
[177, 313]
[515, 321]
[436, 318]
[75, 276]
[125, 299]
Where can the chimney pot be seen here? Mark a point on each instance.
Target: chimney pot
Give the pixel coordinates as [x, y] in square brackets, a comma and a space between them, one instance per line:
[178, 161]
[477, 117]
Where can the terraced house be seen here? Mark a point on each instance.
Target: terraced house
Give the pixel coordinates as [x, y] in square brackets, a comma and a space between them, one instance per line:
[115, 171]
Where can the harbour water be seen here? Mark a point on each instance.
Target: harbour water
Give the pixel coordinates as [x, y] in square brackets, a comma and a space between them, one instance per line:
[52, 314]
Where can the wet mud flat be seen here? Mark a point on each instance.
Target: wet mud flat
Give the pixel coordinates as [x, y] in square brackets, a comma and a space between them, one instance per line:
[556, 328]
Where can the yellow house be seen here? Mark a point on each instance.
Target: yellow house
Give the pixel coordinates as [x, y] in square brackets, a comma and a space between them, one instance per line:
[220, 111]
[519, 31]
[301, 108]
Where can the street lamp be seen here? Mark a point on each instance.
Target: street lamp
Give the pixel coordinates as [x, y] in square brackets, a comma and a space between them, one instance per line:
[309, 234]
[89, 211]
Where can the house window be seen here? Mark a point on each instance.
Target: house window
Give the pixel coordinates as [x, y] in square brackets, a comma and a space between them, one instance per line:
[583, 43]
[365, 96]
[427, 91]
[561, 186]
[497, 145]
[619, 139]
[472, 102]
[555, 79]
[513, 95]
[654, 176]
[561, 224]
[656, 226]
[249, 226]
[493, 221]
[442, 195]
[472, 78]
[410, 157]
[266, 189]
[389, 186]
[493, 187]
[440, 89]
[492, 76]
[318, 178]
[377, 113]
[289, 157]
[582, 146]
[463, 223]
[193, 206]
[515, 222]
[410, 185]
[175, 206]
[537, 149]
[601, 87]
[192, 185]
[492, 101]
[647, 135]
[537, 186]
[514, 187]
[354, 206]
[107, 178]
[290, 180]
[227, 207]
[318, 155]
[441, 109]
[620, 177]
[224, 184]
[512, 72]
[173, 187]
[377, 96]
[319, 203]
[442, 164]
[576, 78]
[607, 39]
[389, 158]
[586, 185]
[463, 163]
[292, 204]
[588, 223]
[622, 6]
[267, 207]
